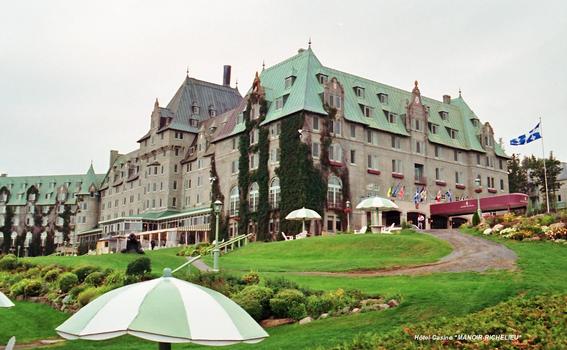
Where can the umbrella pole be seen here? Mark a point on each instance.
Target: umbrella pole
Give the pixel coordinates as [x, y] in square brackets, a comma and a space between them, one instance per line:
[303, 225]
[164, 346]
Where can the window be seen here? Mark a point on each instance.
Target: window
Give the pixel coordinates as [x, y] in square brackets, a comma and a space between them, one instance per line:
[275, 130]
[289, 81]
[315, 121]
[456, 155]
[352, 156]
[199, 182]
[334, 192]
[254, 136]
[419, 147]
[335, 153]
[438, 174]
[433, 128]
[444, 115]
[417, 125]
[234, 201]
[500, 164]
[174, 168]
[212, 111]
[459, 177]
[383, 98]
[437, 151]
[478, 159]
[274, 193]
[372, 137]
[275, 155]
[391, 117]
[352, 130]
[233, 146]
[335, 101]
[359, 91]
[315, 149]
[335, 127]
[234, 167]
[322, 78]
[253, 197]
[174, 202]
[372, 160]
[474, 122]
[279, 102]
[396, 143]
[254, 160]
[174, 184]
[195, 108]
[452, 133]
[396, 166]
[366, 110]
[487, 161]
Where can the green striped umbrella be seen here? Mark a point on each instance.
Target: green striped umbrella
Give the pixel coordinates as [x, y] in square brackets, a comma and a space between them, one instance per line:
[165, 310]
[4, 301]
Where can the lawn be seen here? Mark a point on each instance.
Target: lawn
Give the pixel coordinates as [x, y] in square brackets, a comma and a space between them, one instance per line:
[161, 259]
[542, 268]
[337, 253]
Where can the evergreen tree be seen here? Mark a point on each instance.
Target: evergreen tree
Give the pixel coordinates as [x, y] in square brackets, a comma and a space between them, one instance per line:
[517, 176]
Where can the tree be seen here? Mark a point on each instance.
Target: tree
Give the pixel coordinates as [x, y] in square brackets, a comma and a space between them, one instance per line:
[535, 169]
[517, 176]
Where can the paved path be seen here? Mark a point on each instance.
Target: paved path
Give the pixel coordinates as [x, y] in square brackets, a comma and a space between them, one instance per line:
[470, 253]
[200, 265]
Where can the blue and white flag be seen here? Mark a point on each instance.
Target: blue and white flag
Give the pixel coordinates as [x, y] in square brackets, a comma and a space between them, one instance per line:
[533, 135]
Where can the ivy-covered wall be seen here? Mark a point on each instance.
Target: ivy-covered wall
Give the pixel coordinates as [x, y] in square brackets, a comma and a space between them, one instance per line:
[7, 229]
[301, 183]
[217, 195]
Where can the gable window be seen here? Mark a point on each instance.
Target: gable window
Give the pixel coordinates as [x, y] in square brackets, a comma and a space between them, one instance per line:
[366, 110]
[383, 98]
[444, 115]
[322, 78]
[359, 91]
[289, 81]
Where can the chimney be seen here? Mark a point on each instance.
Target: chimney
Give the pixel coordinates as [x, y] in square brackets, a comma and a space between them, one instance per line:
[113, 156]
[226, 75]
[447, 99]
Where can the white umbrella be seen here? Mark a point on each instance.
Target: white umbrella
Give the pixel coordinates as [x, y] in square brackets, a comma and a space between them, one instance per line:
[4, 301]
[378, 203]
[165, 310]
[303, 214]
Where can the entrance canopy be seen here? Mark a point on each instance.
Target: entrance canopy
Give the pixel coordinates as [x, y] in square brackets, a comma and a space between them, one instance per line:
[469, 206]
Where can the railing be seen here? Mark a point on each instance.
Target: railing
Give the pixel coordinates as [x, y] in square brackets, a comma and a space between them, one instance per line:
[232, 243]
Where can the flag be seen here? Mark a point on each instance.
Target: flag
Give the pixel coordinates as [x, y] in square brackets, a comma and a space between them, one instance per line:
[389, 193]
[417, 195]
[423, 194]
[438, 196]
[396, 189]
[449, 195]
[402, 192]
[533, 135]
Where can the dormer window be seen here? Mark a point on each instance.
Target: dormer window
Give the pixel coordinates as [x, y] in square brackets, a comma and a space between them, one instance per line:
[359, 91]
[474, 122]
[279, 103]
[212, 111]
[433, 128]
[289, 81]
[195, 108]
[322, 78]
[444, 115]
[383, 98]
[366, 110]
[391, 117]
[452, 133]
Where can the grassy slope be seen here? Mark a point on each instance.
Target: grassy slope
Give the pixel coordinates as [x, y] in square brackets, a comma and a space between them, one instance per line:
[160, 259]
[542, 269]
[337, 253]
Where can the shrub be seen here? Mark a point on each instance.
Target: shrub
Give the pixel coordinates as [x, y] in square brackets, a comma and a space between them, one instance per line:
[255, 300]
[75, 291]
[67, 281]
[95, 279]
[222, 283]
[116, 278]
[139, 267]
[33, 288]
[317, 305]
[546, 220]
[51, 275]
[32, 273]
[339, 299]
[187, 251]
[280, 283]
[475, 219]
[83, 271]
[19, 288]
[283, 302]
[87, 295]
[297, 311]
[9, 262]
[251, 278]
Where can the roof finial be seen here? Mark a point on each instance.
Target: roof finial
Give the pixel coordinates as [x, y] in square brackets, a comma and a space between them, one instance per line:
[156, 104]
[187, 71]
[236, 84]
[309, 43]
[459, 92]
[263, 64]
[416, 83]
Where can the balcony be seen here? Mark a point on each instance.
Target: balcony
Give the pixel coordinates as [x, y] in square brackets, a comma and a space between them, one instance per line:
[420, 180]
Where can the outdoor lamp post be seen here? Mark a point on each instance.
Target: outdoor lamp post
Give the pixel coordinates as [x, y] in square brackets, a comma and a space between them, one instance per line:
[217, 206]
[477, 183]
[14, 236]
[43, 236]
[347, 210]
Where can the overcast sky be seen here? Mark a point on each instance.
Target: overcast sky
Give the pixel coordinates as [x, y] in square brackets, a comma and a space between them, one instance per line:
[79, 78]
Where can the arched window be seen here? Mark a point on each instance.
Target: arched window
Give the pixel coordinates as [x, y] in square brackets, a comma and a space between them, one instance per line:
[275, 193]
[334, 193]
[253, 197]
[234, 201]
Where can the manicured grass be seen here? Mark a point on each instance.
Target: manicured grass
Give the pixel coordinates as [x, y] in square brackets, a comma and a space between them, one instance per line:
[542, 269]
[337, 253]
[161, 259]
[28, 322]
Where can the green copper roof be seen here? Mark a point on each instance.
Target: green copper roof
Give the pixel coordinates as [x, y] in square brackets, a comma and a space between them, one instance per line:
[306, 91]
[48, 187]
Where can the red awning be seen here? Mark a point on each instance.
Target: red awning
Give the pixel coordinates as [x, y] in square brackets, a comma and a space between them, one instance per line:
[469, 206]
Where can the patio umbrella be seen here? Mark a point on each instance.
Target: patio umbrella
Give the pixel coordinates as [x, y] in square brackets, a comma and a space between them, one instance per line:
[378, 203]
[303, 214]
[4, 301]
[165, 310]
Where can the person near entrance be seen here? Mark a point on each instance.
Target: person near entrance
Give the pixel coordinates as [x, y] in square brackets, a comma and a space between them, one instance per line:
[421, 221]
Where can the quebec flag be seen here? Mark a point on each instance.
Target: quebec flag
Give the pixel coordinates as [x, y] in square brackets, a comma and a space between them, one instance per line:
[533, 135]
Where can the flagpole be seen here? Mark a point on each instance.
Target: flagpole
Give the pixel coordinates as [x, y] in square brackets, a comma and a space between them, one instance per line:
[544, 167]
